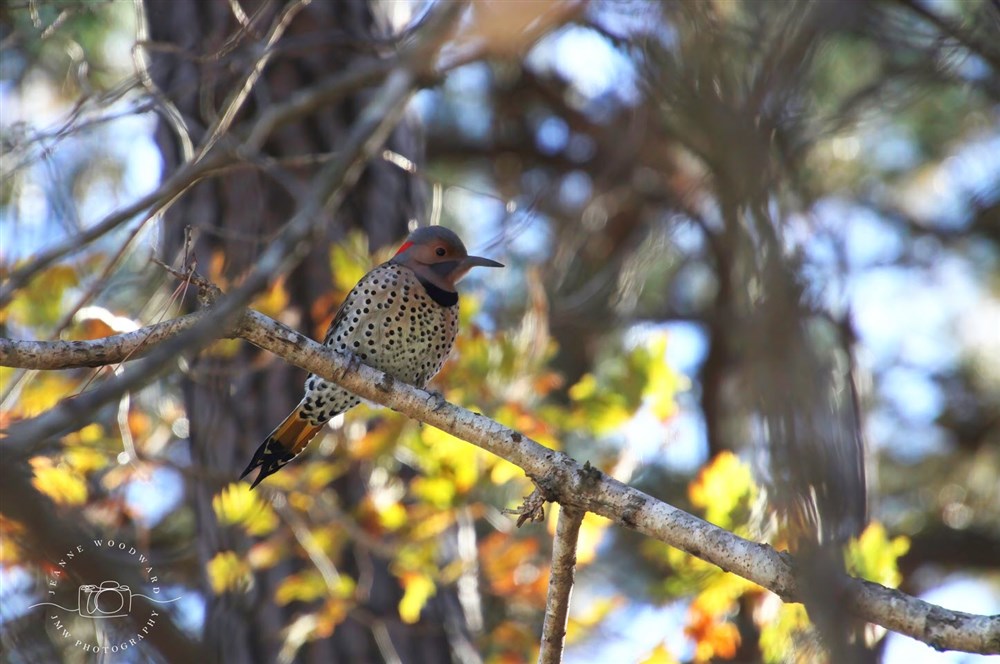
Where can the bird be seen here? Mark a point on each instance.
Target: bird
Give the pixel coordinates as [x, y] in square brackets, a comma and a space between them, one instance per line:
[401, 318]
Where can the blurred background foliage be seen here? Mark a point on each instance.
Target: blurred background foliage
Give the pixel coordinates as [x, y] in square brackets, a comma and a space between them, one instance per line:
[625, 163]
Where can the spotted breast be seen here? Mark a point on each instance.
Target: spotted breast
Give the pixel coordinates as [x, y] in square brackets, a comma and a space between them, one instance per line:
[392, 322]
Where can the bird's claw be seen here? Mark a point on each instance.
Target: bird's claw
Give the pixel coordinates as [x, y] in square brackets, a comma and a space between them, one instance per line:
[438, 399]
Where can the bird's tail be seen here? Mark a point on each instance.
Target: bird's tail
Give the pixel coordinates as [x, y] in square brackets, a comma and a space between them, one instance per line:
[282, 445]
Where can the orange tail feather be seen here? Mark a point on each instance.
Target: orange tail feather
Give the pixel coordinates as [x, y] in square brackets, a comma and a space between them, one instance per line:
[282, 445]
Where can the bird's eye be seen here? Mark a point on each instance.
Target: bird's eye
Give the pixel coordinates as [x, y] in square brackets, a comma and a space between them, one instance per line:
[440, 251]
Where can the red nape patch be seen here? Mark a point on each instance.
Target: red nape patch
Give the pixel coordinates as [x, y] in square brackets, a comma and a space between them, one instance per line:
[406, 245]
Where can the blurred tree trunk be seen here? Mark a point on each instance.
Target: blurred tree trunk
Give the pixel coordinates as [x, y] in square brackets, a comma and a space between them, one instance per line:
[200, 52]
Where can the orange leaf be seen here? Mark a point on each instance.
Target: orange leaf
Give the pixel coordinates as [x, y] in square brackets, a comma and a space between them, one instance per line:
[713, 639]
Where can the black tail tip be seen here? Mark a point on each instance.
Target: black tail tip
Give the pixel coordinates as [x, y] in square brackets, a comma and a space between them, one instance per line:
[255, 462]
[270, 457]
[260, 478]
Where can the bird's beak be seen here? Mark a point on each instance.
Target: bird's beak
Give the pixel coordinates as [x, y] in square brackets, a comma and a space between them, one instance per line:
[479, 261]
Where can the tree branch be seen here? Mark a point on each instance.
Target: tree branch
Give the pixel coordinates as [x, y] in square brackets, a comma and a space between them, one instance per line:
[327, 191]
[152, 202]
[969, 40]
[561, 578]
[414, 58]
[26, 354]
[561, 479]
[64, 530]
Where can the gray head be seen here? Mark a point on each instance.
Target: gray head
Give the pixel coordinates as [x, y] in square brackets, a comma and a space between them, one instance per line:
[437, 255]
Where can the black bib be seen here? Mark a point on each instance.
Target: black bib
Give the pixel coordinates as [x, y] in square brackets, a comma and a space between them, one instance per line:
[440, 295]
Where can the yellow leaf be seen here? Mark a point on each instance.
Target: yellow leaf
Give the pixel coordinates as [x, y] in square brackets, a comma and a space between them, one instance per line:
[303, 502]
[274, 300]
[39, 303]
[227, 571]
[90, 433]
[223, 348]
[392, 515]
[432, 525]
[345, 587]
[333, 613]
[305, 586]
[719, 597]
[664, 382]
[600, 408]
[6, 373]
[582, 624]
[585, 388]
[417, 589]
[263, 555]
[60, 483]
[437, 491]
[349, 261]
[503, 471]
[722, 487]
[448, 458]
[42, 392]
[777, 637]
[236, 504]
[86, 460]
[380, 439]
[318, 476]
[447, 449]
[530, 423]
[659, 655]
[11, 531]
[874, 556]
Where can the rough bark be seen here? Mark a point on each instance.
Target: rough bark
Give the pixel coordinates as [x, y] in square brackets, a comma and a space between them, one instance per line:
[233, 402]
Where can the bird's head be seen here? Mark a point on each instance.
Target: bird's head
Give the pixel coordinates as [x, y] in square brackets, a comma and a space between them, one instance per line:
[437, 255]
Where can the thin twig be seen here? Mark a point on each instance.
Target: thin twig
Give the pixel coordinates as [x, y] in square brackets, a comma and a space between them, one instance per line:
[55, 529]
[561, 578]
[270, 120]
[327, 191]
[242, 92]
[152, 202]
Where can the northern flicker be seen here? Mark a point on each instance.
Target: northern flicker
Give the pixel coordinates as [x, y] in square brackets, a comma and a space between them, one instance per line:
[401, 318]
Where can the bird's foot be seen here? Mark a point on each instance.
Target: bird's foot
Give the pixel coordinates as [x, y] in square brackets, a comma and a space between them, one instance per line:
[437, 400]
